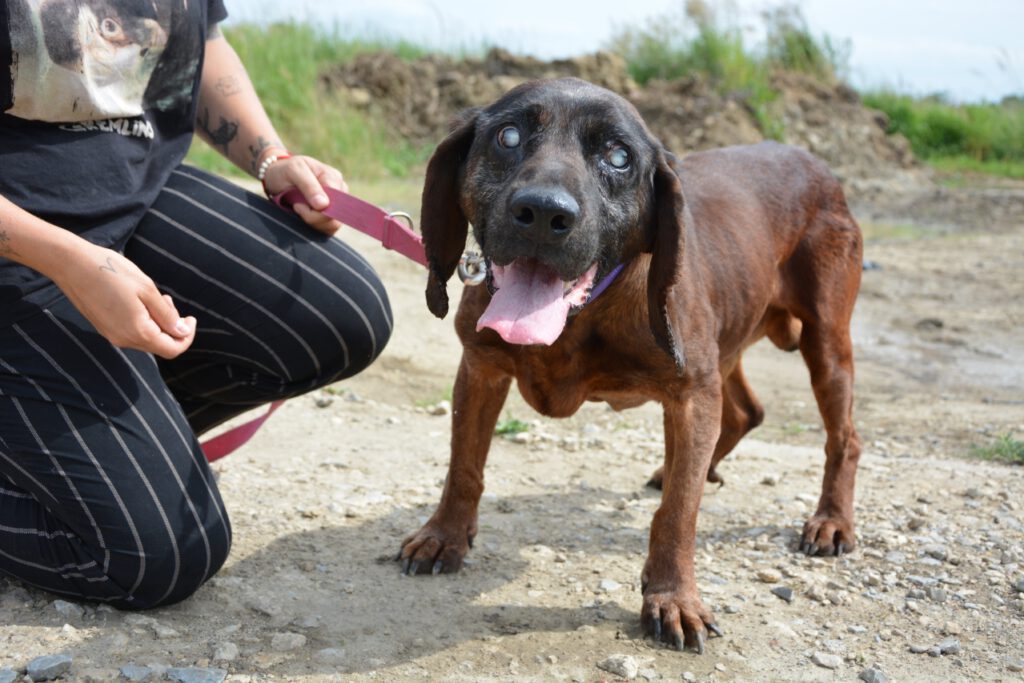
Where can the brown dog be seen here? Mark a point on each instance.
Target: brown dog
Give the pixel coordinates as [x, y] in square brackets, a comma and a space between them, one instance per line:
[563, 182]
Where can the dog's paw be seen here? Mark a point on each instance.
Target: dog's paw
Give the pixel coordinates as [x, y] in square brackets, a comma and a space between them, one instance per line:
[434, 550]
[824, 535]
[678, 618]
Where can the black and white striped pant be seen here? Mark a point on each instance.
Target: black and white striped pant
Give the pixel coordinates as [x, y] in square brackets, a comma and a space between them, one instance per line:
[104, 491]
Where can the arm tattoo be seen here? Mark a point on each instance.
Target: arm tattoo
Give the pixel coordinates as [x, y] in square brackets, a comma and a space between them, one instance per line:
[258, 148]
[223, 135]
[5, 245]
[228, 86]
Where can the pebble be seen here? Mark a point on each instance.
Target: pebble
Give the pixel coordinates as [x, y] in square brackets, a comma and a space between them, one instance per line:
[1015, 665]
[771, 480]
[1018, 585]
[950, 646]
[783, 592]
[133, 672]
[68, 610]
[323, 400]
[608, 586]
[197, 675]
[620, 665]
[649, 674]
[48, 667]
[225, 652]
[769, 575]
[689, 676]
[856, 629]
[163, 632]
[285, 642]
[10, 675]
[827, 661]
[918, 649]
[873, 676]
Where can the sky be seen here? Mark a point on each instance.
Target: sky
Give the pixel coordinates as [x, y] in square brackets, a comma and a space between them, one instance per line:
[971, 51]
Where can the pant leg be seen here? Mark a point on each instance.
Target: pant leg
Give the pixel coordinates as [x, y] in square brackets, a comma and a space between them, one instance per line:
[281, 308]
[104, 492]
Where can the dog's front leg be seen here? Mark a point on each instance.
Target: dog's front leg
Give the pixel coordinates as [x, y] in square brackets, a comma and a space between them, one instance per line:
[672, 608]
[440, 546]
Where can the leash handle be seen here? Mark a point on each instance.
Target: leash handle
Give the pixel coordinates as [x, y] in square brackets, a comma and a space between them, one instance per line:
[366, 218]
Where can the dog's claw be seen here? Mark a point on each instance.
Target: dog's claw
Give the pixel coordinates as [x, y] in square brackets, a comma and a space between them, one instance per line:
[678, 642]
[437, 568]
[840, 549]
[717, 631]
[812, 549]
[398, 556]
[657, 628]
[405, 565]
[414, 569]
[700, 643]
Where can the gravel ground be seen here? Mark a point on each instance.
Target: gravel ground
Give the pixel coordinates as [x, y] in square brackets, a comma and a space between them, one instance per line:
[321, 499]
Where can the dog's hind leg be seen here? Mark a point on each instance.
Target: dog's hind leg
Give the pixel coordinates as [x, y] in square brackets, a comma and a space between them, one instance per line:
[477, 399]
[741, 412]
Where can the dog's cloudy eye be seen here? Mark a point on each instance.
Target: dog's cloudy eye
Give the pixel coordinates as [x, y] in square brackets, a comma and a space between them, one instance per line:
[617, 156]
[508, 137]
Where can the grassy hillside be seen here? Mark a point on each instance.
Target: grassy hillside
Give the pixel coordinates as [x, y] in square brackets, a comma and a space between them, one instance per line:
[286, 61]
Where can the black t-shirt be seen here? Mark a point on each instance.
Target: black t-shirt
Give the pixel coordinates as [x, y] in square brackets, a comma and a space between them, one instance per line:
[98, 109]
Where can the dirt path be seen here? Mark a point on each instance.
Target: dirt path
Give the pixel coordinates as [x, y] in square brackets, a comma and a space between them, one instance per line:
[321, 499]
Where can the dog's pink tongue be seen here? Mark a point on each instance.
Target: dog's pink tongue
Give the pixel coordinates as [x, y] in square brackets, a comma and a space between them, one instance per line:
[528, 306]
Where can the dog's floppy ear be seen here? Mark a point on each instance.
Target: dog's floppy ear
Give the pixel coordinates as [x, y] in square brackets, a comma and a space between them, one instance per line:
[666, 245]
[443, 222]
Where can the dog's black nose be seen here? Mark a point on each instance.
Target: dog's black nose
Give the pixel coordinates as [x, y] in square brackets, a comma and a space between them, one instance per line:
[548, 214]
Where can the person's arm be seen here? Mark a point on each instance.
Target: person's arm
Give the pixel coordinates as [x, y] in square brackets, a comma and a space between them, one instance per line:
[119, 300]
[232, 120]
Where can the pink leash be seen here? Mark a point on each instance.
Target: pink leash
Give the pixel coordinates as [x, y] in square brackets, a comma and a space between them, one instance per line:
[364, 217]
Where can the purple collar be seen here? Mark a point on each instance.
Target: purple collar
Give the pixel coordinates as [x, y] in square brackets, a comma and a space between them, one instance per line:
[605, 282]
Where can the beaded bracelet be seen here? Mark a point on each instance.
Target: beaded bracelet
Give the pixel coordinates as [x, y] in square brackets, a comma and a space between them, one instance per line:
[261, 172]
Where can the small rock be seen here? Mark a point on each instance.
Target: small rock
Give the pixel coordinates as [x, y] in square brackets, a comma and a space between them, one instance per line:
[1018, 585]
[689, 676]
[323, 400]
[649, 674]
[620, 665]
[1015, 665]
[164, 632]
[441, 408]
[197, 675]
[873, 676]
[608, 585]
[69, 610]
[827, 661]
[918, 649]
[769, 576]
[225, 652]
[935, 651]
[138, 673]
[770, 480]
[939, 552]
[48, 667]
[783, 592]
[951, 628]
[949, 646]
[937, 594]
[10, 675]
[856, 629]
[285, 642]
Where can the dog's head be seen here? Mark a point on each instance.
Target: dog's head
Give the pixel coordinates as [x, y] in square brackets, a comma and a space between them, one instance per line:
[561, 181]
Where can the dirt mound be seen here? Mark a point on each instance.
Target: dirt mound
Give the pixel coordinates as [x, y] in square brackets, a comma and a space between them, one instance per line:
[417, 99]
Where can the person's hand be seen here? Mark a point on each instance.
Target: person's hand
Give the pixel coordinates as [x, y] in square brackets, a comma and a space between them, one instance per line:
[123, 303]
[310, 176]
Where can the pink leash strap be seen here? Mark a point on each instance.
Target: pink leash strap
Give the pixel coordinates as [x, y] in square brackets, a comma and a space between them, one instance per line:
[233, 439]
[364, 217]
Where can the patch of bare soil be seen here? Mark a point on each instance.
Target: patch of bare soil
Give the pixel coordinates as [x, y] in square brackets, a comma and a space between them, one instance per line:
[322, 497]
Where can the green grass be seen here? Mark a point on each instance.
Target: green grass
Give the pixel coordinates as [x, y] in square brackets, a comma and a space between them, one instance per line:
[976, 138]
[1004, 449]
[698, 42]
[285, 62]
[510, 427]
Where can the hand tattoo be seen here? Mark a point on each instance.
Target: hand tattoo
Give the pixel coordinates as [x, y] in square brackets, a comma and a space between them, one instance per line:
[223, 135]
[109, 266]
